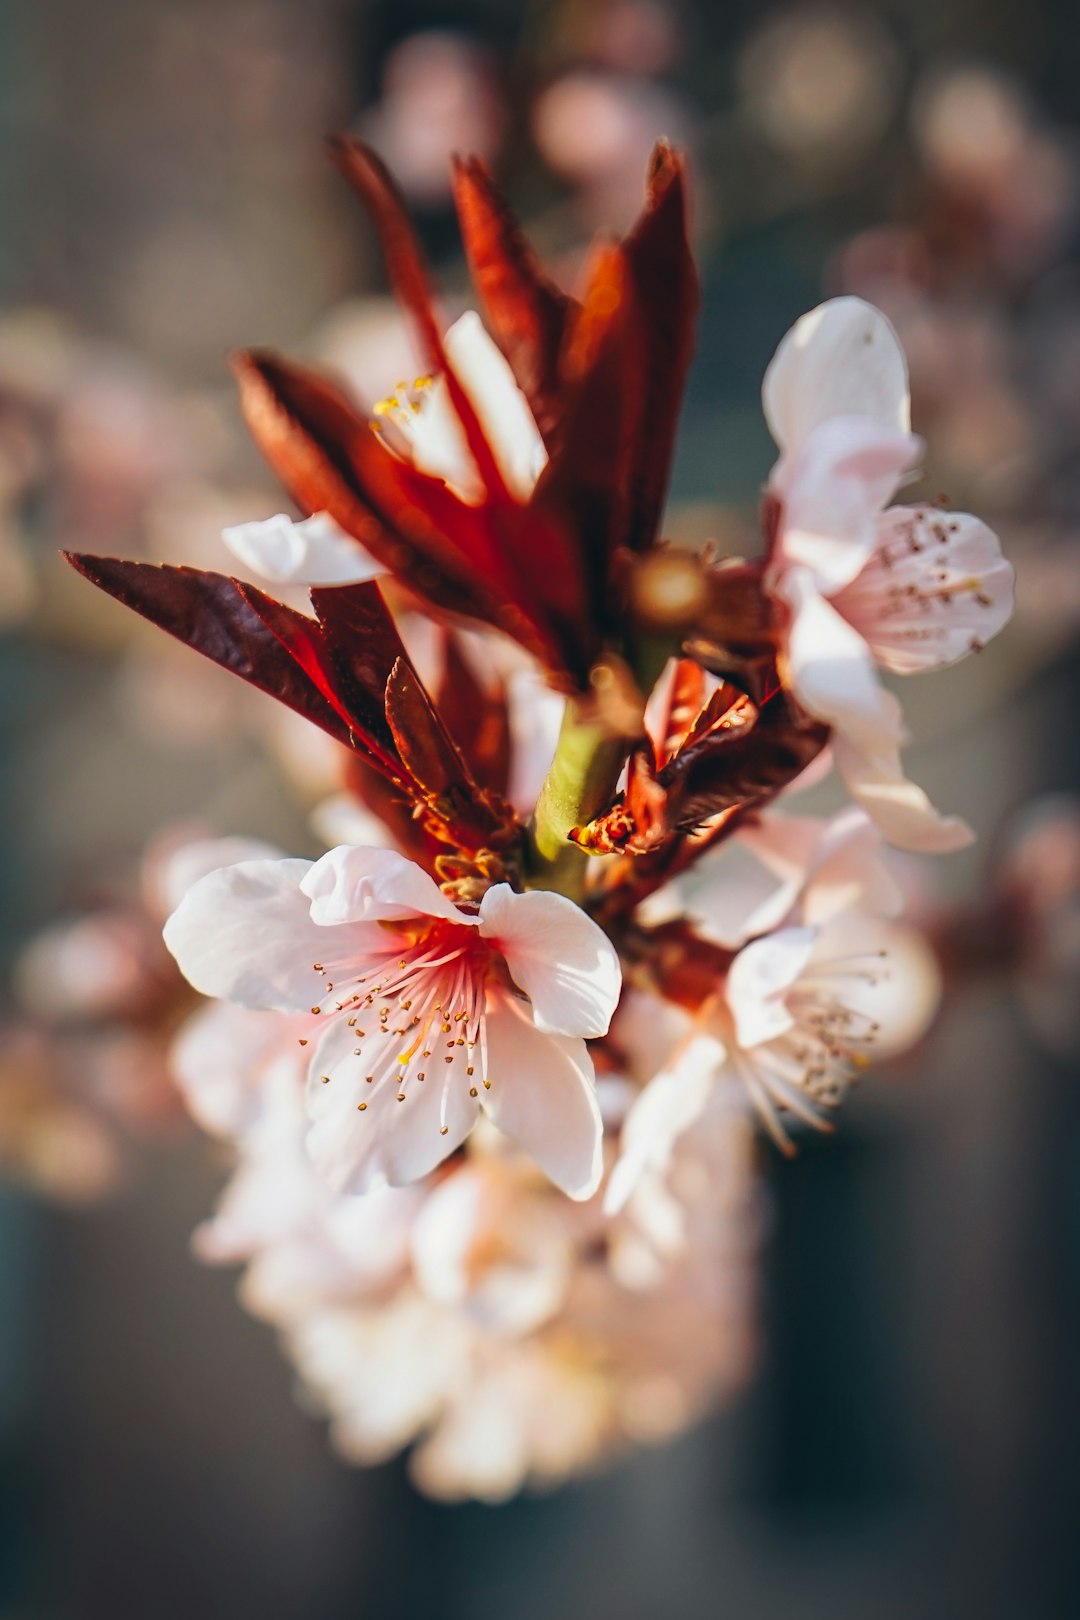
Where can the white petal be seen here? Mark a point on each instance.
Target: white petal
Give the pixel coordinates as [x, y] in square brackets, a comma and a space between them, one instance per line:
[219, 1059]
[830, 669]
[544, 1096]
[502, 409]
[935, 588]
[899, 808]
[352, 884]
[673, 1101]
[387, 1143]
[183, 865]
[759, 979]
[831, 490]
[313, 552]
[903, 999]
[244, 934]
[841, 359]
[849, 872]
[736, 896]
[562, 960]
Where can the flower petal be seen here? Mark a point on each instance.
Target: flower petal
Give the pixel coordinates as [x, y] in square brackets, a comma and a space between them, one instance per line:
[386, 1142]
[501, 408]
[219, 1061]
[244, 934]
[831, 492]
[935, 588]
[352, 884]
[830, 669]
[899, 808]
[313, 552]
[759, 979]
[841, 359]
[544, 1096]
[562, 960]
[664, 1110]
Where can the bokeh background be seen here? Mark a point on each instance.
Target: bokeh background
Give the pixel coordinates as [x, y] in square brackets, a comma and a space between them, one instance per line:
[907, 1445]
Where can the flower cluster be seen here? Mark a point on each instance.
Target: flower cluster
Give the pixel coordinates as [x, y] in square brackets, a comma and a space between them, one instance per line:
[491, 1066]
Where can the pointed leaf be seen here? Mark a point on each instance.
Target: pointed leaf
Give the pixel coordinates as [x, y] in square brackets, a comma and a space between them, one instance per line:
[525, 310]
[437, 765]
[209, 613]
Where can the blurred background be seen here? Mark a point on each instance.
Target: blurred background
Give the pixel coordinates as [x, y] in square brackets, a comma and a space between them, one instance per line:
[906, 1445]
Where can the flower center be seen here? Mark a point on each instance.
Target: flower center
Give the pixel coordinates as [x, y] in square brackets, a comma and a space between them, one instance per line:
[414, 1012]
[807, 1071]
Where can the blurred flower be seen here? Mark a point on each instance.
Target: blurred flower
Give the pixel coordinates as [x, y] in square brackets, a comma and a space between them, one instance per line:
[440, 95]
[821, 82]
[596, 130]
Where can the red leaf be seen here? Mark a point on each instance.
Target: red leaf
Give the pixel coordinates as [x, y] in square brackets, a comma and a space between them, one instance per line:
[509, 566]
[666, 297]
[329, 459]
[210, 613]
[525, 310]
[436, 763]
[476, 714]
[370, 178]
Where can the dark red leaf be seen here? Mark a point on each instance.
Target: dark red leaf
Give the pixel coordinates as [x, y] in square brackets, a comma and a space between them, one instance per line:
[666, 296]
[510, 566]
[438, 766]
[477, 715]
[210, 613]
[525, 311]
[734, 759]
[370, 178]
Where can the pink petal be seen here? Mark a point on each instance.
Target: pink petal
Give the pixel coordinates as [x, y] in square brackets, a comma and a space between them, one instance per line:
[831, 490]
[841, 359]
[544, 1096]
[565, 964]
[244, 934]
[671, 1102]
[830, 668]
[353, 884]
[935, 588]
[899, 808]
[312, 552]
[387, 1142]
[760, 977]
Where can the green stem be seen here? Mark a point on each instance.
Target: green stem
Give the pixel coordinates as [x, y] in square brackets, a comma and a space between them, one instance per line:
[579, 785]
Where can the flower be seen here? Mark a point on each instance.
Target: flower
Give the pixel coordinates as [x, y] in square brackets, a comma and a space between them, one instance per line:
[427, 1014]
[904, 589]
[795, 1020]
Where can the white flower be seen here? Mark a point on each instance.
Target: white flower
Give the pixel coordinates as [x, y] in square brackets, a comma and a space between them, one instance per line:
[781, 869]
[428, 1014]
[419, 422]
[796, 1019]
[312, 552]
[907, 589]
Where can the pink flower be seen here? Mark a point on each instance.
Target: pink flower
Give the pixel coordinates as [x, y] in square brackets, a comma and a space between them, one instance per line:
[799, 1015]
[904, 589]
[422, 1014]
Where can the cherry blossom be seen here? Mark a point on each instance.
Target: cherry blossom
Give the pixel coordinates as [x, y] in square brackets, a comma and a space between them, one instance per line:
[421, 1014]
[860, 587]
[800, 1013]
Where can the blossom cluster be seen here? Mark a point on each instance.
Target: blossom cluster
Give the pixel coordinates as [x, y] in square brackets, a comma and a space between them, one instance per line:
[492, 1064]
